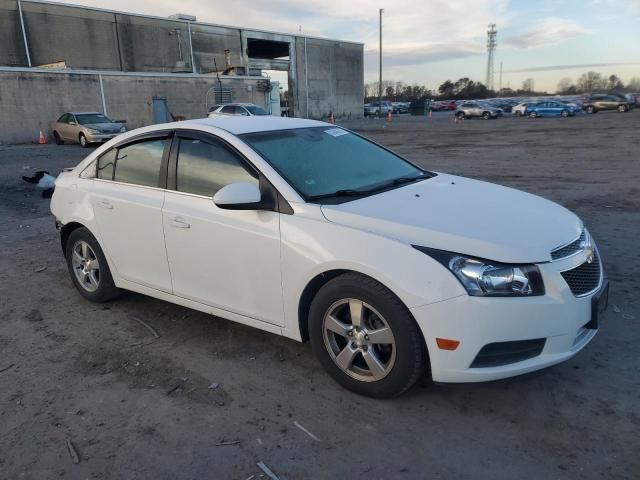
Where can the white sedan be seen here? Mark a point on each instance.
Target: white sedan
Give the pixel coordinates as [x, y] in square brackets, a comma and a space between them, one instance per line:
[310, 231]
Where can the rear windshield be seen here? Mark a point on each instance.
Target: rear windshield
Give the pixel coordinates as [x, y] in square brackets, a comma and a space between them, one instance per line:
[91, 118]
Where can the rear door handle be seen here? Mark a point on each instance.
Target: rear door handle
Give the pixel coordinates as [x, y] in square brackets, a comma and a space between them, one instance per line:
[105, 204]
[179, 222]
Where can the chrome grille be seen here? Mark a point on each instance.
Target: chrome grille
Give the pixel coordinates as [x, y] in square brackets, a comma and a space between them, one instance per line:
[585, 278]
[568, 250]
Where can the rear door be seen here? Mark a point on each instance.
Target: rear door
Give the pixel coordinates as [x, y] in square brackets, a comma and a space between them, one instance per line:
[229, 259]
[127, 198]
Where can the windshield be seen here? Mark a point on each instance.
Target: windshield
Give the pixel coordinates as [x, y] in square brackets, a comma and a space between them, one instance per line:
[91, 118]
[323, 161]
[255, 110]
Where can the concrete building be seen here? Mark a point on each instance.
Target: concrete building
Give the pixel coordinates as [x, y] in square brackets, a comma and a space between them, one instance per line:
[56, 58]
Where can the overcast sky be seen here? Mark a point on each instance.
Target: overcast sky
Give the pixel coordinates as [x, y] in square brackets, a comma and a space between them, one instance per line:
[430, 41]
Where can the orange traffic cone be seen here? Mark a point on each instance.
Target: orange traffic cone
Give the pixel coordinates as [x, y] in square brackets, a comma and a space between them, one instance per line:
[41, 139]
[389, 116]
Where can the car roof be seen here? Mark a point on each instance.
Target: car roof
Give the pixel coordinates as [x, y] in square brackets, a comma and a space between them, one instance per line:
[86, 113]
[241, 125]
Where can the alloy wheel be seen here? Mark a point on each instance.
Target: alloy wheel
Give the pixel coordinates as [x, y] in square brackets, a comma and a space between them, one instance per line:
[85, 266]
[359, 340]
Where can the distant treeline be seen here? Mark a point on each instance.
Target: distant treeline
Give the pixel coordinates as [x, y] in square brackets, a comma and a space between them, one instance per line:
[465, 88]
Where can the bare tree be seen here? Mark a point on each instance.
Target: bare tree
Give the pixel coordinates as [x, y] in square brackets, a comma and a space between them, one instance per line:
[591, 82]
[564, 85]
[528, 85]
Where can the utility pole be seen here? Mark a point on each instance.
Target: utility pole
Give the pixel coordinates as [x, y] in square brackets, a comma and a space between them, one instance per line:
[491, 48]
[380, 77]
[500, 83]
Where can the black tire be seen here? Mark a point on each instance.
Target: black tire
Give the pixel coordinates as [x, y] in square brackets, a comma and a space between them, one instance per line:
[591, 109]
[564, 113]
[461, 115]
[58, 140]
[518, 113]
[84, 143]
[622, 108]
[486, 116]
[533, 115]
[106, 289]
[411, 357]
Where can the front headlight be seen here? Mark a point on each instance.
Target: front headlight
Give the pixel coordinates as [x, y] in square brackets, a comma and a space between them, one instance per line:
[484, 278]
[123, 129]
[93, 130]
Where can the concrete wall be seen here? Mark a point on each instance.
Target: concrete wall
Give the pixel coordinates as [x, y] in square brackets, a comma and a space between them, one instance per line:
[90, 39]
[30, 101]
[334, 73]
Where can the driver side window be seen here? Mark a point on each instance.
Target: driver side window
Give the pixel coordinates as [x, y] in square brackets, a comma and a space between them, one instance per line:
[204, 168]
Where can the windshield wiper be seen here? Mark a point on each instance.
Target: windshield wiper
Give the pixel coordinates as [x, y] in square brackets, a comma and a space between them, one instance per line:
[348, 192]
[369, 191]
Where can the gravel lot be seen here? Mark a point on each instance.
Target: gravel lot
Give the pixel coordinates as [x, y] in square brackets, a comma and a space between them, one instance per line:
[134, 406]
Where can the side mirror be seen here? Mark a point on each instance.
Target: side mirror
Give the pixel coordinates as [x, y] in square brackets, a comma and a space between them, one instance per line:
[239, 196]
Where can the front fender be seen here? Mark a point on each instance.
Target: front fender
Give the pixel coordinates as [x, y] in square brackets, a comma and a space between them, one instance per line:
[313, 246]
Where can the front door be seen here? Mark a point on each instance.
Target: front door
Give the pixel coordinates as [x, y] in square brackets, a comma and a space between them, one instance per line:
[229, 259]
[127, 203]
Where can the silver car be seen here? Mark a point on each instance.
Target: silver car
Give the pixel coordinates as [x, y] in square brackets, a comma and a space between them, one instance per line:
[85, 128]
[477, 109]
[244, 109]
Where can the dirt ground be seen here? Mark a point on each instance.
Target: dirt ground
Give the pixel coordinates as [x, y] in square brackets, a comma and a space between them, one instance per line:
[210, 398]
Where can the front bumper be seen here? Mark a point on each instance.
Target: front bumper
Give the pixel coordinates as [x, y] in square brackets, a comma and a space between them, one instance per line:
[558, 317]
[100, 137]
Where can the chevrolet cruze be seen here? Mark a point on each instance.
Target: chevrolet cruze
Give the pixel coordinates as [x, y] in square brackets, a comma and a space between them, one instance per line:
[310, 231]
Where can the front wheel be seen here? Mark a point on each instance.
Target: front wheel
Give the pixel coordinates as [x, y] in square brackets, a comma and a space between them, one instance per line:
[83, 141]
[533, 115]
[88, 267]
[591, 109]
[622, 108]
[365, 337]
[518, 113]
[564, 113]
[486, 115]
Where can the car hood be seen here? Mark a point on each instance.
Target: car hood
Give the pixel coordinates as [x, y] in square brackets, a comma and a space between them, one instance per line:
[464, 216]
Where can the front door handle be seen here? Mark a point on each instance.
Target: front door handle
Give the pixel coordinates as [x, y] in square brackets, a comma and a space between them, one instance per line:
[179, 222]
[105, 204]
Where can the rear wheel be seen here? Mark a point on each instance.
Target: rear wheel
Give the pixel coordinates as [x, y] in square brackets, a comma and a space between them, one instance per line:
[591, 109]
[622, 108]
[518, 113]
[461, 115]
[58, 140]
[365, 337]
[88, 267]
[83, 141]
[486, 115]
[533, 115]
[564, 113]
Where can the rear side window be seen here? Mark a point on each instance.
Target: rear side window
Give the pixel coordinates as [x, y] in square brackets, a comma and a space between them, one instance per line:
[204, 168]
[139, 163]
[106, 164]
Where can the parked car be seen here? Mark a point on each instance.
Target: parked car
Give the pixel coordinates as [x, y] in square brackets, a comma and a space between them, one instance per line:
[477, 109]
[307, 230]
[595, 103]
[520, 109]
[242, 109]
[85, 128]
[399, 107]
[550, 109]
[373, 109]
